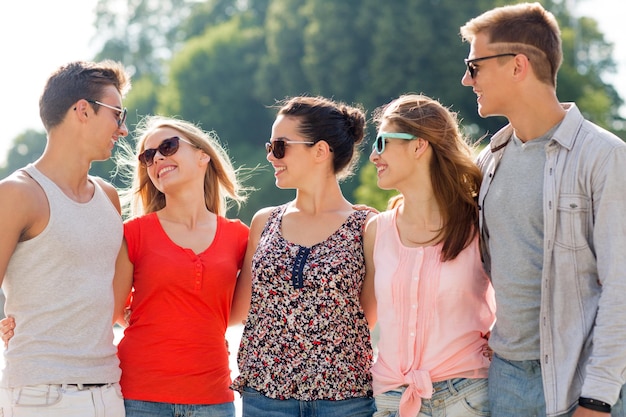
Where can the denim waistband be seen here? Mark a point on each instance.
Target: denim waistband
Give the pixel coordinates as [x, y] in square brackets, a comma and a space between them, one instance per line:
[444, 388]
[452, 386]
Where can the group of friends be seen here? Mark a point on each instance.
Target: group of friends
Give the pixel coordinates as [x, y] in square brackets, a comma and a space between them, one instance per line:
[536, 225]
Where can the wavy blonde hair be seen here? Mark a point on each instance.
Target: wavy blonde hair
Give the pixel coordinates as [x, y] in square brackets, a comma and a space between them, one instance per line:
[221, 183]
[454, 175]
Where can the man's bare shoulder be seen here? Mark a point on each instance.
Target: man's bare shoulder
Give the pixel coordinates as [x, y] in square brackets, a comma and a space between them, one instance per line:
[110, 191]
[23, 205]
[22, 186]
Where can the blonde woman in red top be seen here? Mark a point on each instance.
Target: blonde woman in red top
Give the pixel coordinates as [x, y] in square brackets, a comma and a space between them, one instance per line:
[182, 258]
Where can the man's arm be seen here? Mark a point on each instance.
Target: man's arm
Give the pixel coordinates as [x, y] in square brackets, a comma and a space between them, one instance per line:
[122, 284]
[24, 213]
[605, 370]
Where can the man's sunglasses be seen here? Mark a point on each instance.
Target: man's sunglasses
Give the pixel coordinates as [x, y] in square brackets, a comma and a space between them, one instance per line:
[168, 147]
[277, 146]
[471, 68]
[122, 112]
[379, 144]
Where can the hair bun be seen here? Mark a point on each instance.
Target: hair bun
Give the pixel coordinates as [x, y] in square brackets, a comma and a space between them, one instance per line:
[355, 122]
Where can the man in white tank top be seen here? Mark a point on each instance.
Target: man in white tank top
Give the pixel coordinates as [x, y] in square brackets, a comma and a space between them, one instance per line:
[61, 232]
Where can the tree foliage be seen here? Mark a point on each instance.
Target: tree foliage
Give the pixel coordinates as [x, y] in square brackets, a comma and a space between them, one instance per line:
[27, 147]
[224, 63]
[141, 33]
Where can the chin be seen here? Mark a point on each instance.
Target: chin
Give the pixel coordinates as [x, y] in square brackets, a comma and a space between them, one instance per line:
[483, 113]
[384, 186]
[281, 185]
[103, 157]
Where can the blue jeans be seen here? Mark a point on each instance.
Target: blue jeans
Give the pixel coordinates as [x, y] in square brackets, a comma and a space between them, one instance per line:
[516, 389]
[458, 397]
[136, 408]
[255, 404]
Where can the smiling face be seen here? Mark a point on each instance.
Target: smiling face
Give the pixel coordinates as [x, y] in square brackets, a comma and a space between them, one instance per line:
[185, 164]
[289, 169]
[490, 80]
[395, 163]
[105, 123]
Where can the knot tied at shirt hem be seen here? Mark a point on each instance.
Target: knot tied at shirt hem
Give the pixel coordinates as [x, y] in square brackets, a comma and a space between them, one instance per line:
[419, 385]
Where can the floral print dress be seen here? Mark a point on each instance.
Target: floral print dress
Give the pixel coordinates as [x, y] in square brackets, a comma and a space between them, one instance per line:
[306, 336]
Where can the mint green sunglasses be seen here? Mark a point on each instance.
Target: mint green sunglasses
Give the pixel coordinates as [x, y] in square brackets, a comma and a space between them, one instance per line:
[379, 144]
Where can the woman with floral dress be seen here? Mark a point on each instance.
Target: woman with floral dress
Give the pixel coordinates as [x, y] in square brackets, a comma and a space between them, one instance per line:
[305, 349]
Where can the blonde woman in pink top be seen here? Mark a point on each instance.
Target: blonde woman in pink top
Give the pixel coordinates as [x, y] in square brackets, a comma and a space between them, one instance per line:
[435, 303]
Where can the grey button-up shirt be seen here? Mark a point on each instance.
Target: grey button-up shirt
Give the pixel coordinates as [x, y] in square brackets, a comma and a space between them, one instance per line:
[583, 301]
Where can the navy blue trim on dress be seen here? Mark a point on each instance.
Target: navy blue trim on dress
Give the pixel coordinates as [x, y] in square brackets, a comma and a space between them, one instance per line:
[297, 278]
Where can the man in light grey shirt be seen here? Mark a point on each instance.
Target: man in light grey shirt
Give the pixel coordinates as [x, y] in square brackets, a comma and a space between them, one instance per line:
[61, 233]
[553, 227]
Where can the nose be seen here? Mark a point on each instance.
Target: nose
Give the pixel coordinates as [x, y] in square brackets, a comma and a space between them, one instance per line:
[467, 79]
[158, 155]
[374, 156]
[123, 130]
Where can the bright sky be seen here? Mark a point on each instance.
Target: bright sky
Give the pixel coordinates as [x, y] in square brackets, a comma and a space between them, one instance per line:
[37, 36]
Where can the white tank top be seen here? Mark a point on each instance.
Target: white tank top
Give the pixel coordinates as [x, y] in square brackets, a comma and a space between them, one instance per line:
[59, 288]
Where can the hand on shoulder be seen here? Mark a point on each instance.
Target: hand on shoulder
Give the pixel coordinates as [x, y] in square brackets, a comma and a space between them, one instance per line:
[360, 207]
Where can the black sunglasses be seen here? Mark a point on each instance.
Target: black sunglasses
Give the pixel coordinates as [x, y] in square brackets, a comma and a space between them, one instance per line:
[122, 112]
[471, 68]
[168, 147]
[277, 146]
[379, 144]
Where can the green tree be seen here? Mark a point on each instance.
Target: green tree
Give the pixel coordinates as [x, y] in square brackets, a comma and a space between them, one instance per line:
[222, 63]
[280, 71]
[143, 35]
[214, 12]
[27, 147]
[211, 83]
[336, 47]
[587, 58]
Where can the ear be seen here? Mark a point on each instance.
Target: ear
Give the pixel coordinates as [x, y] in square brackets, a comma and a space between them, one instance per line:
[323, 150]
[81, 110]
[420, 147]
[522, 67]
[205, 158]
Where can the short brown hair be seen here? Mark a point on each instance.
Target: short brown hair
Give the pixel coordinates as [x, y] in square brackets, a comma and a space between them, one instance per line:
[525, 28]
[75, 81]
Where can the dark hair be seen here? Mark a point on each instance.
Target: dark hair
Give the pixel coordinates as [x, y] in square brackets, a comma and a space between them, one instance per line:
[336, 123]
[75, 81]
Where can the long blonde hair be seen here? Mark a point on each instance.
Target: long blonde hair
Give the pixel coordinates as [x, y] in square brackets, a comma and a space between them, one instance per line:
[454, 176]
[221, 182]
